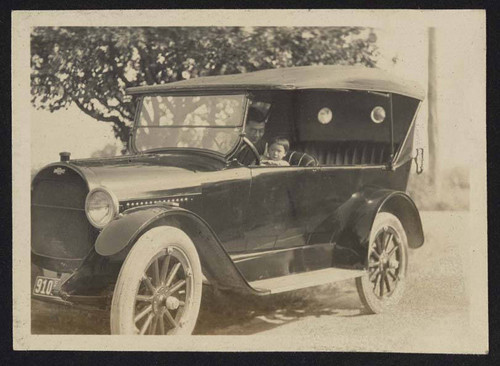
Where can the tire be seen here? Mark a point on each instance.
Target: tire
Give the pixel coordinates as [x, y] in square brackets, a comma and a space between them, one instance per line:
[167, 299]
[382, 287]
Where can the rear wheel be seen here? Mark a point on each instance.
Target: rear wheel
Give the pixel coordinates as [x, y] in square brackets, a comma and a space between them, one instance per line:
[158, 290]
[382, 287]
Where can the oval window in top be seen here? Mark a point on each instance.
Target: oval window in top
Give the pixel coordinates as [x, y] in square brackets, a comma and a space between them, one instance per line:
[325, 115]
[378, 114]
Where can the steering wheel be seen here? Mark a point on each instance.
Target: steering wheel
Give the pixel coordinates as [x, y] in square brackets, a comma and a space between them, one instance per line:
[252, 147]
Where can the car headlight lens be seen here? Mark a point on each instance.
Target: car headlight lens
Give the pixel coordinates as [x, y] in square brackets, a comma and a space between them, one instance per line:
[101, 206]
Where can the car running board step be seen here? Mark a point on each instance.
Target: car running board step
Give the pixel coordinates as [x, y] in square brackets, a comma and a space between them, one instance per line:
[302, 280]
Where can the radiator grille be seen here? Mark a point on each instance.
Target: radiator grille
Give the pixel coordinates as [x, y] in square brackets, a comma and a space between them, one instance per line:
[59, 226]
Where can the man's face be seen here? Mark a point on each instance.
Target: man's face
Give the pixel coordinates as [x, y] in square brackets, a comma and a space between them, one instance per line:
[255, 130]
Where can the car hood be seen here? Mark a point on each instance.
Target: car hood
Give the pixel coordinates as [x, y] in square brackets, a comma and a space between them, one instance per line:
[148, 177]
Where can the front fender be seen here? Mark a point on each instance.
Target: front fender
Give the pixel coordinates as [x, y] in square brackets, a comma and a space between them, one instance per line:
[119, 233]
[116, 240]
[102, 265]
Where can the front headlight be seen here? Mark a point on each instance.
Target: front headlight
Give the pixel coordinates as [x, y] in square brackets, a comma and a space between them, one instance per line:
[101, 206]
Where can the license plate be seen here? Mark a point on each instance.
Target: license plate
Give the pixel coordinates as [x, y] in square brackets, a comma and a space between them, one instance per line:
[44, 286]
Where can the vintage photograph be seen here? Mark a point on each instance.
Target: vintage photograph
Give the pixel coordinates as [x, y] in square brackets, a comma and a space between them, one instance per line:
[311, 179]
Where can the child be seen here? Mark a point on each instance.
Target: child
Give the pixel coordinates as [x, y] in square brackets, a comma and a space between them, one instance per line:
[276, 152]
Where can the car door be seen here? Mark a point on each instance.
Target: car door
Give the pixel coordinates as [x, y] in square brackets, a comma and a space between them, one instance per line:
[225, 201]
[276, 214]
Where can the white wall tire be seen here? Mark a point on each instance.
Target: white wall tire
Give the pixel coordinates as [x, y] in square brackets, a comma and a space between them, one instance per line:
[158, 290]
[383, 286]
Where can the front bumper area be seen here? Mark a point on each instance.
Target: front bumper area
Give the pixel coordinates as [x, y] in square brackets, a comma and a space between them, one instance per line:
[91, 283]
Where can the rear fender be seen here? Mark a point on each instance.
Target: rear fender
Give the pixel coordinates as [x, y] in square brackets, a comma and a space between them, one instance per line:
[117, 239]
[351, 224]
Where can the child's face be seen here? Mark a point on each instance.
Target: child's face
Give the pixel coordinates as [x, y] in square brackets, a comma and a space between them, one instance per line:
[276, 152]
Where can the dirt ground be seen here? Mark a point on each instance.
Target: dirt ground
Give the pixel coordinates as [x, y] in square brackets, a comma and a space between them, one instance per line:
[433, 315]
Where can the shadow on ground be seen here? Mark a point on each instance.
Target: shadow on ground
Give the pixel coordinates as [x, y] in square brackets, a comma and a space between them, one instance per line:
[220, 314]
[233, 315]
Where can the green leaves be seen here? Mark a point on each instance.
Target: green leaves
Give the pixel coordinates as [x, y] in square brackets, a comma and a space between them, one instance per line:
[92, 66]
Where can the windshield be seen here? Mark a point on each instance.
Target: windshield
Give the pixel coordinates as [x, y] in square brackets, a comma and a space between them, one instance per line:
[210, 122]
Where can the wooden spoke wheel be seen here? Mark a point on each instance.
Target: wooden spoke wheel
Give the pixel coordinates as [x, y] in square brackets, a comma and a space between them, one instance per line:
[383, 285]
[159, 287]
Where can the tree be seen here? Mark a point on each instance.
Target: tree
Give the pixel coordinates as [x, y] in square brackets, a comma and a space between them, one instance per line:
[92, 66]
[107, 151]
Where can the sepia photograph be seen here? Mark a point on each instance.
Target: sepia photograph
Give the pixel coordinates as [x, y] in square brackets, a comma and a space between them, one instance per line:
[250, 180]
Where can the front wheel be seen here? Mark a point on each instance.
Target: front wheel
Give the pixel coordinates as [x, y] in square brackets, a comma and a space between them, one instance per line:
[382, 287]
[158, 290]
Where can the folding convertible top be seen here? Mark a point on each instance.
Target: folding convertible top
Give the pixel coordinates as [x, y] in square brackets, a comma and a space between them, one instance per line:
[296, 78]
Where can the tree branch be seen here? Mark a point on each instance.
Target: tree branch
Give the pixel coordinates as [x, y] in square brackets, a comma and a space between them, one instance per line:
[92, 113]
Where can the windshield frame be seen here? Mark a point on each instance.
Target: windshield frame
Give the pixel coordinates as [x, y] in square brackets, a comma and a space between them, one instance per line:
[136, 125]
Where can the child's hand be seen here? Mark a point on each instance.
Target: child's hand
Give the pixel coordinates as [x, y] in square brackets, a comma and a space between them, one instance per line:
[269, 162]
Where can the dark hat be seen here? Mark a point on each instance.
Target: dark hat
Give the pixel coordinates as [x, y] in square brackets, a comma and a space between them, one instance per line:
[256, 115]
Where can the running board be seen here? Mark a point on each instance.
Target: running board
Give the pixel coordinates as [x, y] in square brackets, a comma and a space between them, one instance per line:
[307, 279]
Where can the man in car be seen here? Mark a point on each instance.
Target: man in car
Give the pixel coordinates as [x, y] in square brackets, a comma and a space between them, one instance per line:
[254, 131]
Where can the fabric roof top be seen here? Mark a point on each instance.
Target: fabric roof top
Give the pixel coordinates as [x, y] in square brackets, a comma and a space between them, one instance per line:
[305, 77]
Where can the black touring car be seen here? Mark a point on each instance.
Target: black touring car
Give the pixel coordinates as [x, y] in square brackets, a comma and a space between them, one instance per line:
[195, 201]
